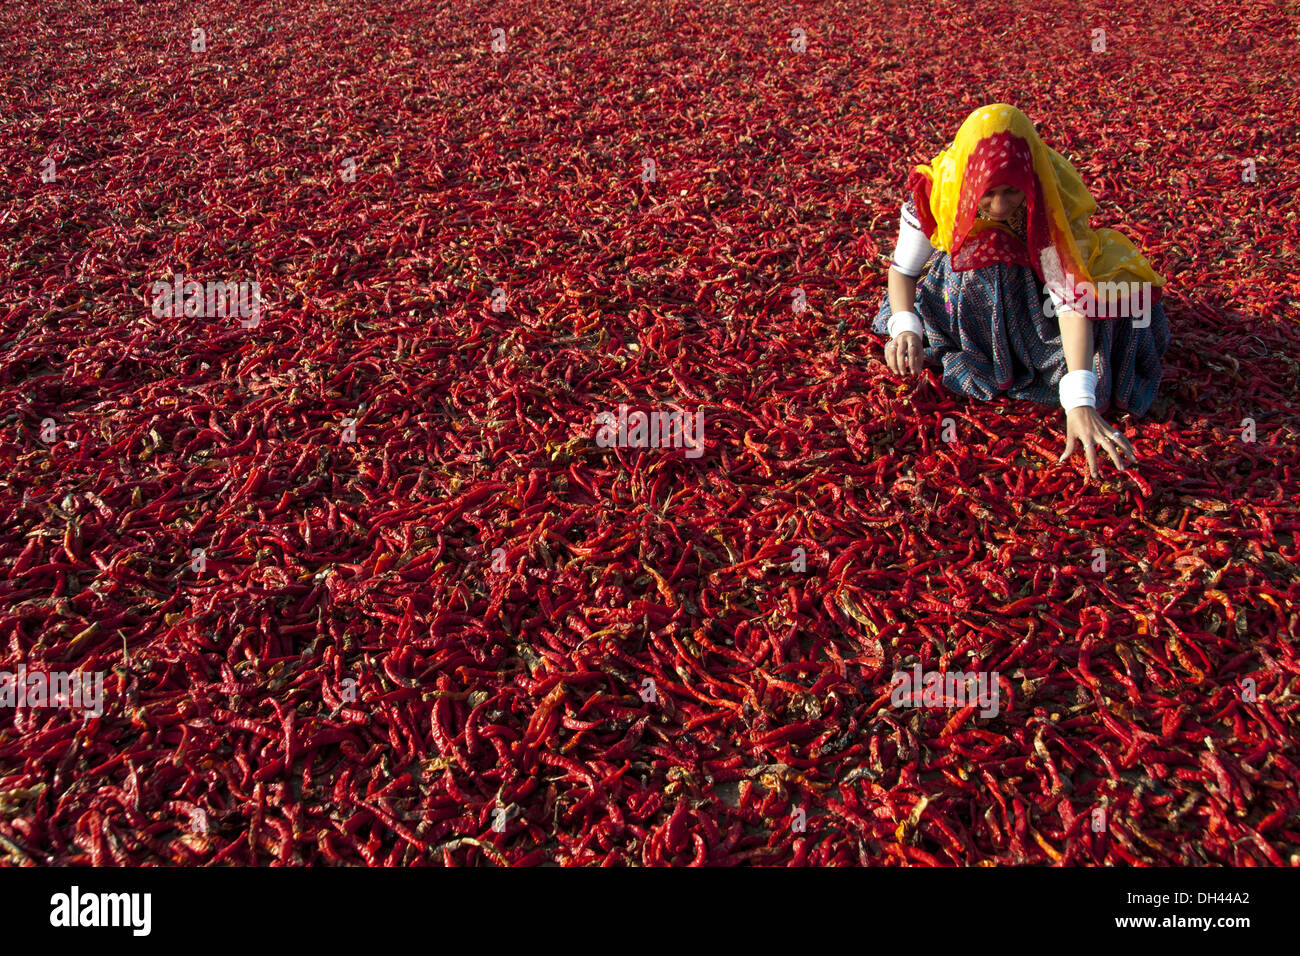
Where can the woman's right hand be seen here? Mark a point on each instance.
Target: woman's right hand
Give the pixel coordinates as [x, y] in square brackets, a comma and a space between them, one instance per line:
[904, 354]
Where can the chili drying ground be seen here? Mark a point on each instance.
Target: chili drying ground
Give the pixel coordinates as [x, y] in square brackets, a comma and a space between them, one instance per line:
[346, 679]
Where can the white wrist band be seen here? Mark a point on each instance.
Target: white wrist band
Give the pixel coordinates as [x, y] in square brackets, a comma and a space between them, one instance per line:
[905, 322]
[1079, 388]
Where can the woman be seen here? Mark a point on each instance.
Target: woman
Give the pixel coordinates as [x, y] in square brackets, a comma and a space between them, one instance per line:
[1022, 297]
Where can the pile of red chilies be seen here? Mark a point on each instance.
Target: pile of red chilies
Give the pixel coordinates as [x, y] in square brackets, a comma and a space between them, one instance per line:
[365, 589]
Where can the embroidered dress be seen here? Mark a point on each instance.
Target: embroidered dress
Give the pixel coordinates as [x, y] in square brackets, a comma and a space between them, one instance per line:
[989, 300]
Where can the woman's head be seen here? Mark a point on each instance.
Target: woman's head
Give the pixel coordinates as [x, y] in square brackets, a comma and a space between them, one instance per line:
[999, 168]
[1000, 202]
[982, 199]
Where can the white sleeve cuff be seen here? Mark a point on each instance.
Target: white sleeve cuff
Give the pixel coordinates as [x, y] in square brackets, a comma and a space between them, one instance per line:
[901, 322]
[913, 250]
[1079, 388]
[1058, 304]
[1057, 301]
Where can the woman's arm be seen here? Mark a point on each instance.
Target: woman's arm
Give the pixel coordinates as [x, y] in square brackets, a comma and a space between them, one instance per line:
[903, 352]
[902, 291]
[1076, 340]
[1078, 396]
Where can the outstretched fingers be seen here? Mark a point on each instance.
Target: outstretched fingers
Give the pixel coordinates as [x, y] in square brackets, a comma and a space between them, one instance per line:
[1118, 448]
[1090, 449]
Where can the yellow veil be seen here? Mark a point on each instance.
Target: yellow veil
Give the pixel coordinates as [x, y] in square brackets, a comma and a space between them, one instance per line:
[1071, 247]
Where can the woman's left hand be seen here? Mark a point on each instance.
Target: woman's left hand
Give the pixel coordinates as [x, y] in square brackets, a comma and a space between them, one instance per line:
[1084, 425]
